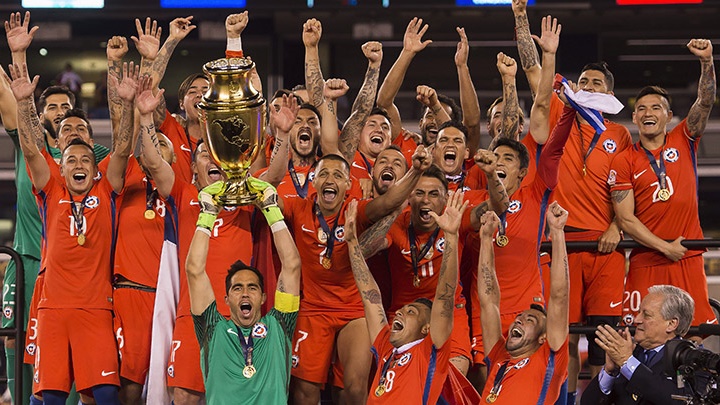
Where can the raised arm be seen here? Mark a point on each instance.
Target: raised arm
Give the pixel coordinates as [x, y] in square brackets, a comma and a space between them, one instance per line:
[526, 48]
[147, 43]
[427, 96]
[487, 284]
[442, 314]
[122, 135]
[540, 112]
[314, 82]
[624, 205]
[199, 287]
[468, 96]
[350, 136]
[146, 102]
[329, 138]
[235, 24]
[700, 111]
[507, 67]
[116, 49]
[283, 122]
[8, 105]
[498, 201]
[557, 307]
[19, 36]
[366, 285]
[412, 44]
[396, 195]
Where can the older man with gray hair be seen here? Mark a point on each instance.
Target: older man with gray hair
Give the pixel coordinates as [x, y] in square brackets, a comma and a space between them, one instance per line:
[634, 372]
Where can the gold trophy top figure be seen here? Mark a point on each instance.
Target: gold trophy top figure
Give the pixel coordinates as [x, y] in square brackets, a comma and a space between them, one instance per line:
[232, 113]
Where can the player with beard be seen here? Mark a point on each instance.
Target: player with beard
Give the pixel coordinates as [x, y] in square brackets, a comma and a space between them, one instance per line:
[331, 312]
[531, 364]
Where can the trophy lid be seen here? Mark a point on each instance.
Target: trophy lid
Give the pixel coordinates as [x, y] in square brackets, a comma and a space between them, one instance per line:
[228, 64]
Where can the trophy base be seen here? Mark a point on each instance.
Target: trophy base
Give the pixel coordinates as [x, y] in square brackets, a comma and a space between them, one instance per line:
[236, 193]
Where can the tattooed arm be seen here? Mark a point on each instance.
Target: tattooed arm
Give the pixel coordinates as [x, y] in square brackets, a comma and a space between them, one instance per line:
[283, 122]
[624, 205]
[526, 47]
[116, 49]
[366, 284]
[540, 112]
[442, 313]
[146, 102]
[468, 96]
[333, 90]
[314, 82]
[29, 129]
[350, 136]
[511, 107]
[700, 111]
[373, 240]
[499, 200]
[487, 284]
[557, 306]
[123, 138]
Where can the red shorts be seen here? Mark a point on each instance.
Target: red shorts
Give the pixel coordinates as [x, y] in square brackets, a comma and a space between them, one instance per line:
[184, 365]
[478, 350]
[32, 326]
[133, 330]
[75, 344]
[688, 274]
[596, 284]
[314, 344]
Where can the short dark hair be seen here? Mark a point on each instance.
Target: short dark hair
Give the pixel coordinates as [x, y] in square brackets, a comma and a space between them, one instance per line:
[286, 92]
[603, 68]
[454, 124]
[240, 266]
[197, 148]
[456, 112]
[335, 157]
[78, 141]
[397, 148]
[299, 87]
[437, 173]
[380, 111]
[52, 90]
[80, 113]
[517, 146]
[424, 301]
[539, 308]
[185, 85]
[521, 114]
[308, 106]
[648, 90]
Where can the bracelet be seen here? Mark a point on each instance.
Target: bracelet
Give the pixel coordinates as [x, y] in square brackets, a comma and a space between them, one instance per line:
[234, 44]
[278, 226]
[203, 230]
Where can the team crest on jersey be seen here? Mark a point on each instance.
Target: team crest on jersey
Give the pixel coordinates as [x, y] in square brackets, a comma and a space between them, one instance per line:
[311, 175]
[610, 146]
[671, 155]
[30, 348]
[92, 202]
[295, 360]
[612, 177]
[514, 206]
[628, 319]
[466, 188]
[404, 359]
[8, 312]
[259, 331]
[230, 208]
[98, 176]
[340, 233]
[522, 363]
[440, 245]
[171, 371]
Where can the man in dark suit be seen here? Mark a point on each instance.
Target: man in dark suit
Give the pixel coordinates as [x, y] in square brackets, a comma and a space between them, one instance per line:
[634, 372]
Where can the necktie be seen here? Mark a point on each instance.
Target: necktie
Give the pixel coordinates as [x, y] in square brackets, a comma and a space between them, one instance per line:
[649, 356]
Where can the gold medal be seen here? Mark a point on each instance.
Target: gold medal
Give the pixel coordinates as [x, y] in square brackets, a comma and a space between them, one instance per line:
[249, 371]
[326, 262]
[81, 239]
[322, 236]
[429, 254]
[149, 214]
[502, 240]
[663, 194]
[416, 281]
[380, 390]
[492, 397]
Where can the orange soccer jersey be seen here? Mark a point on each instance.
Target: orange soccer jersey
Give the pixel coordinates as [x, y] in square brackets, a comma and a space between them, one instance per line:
[413, 373]
[407, 146]
[183, 146]
[582, 188]
[678, 216]
[324, 289]
[141, 224]
[476, 179]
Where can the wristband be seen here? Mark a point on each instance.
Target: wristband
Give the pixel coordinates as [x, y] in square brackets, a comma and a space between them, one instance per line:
[203, 230]
[206, 220]
[278, 226]
[273, 214]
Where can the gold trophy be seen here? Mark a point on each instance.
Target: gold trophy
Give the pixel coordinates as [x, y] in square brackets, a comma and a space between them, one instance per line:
[232, 113]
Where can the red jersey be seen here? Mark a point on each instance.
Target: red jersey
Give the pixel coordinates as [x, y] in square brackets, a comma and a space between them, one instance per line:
[415, 374]
[230, 241]
[183, 145]
[361, 167]
[288, 187]
[429, 264]
[78, 275]
[476, 179]
[324, 289]
[585, 193]
[534, 379]
[139, 239]
[678, 216]
[407, 146]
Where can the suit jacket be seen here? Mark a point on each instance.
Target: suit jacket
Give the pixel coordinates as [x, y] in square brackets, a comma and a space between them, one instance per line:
[648, 386]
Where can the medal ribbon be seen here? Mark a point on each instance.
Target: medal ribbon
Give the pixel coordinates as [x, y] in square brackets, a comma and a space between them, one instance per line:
[329, 232]
[246, 346]
[386, 367]
[150, 195]
[658, 165]
[502, 227]
[78, 212]
[459, 179]
[593, 143]
[499, 377]
[368, 165]
[301, 190]
[413, 247]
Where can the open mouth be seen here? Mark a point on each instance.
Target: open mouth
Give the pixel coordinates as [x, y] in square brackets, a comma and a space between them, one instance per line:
[450, 157]
[425, 214]
[501, 174]
[329, 194]
[304, 137]
[397, 326]
[79, 177]
[245, 308]
[516, 332]
[649, 122]
[214, 174]
[376, 139]
[387, 177]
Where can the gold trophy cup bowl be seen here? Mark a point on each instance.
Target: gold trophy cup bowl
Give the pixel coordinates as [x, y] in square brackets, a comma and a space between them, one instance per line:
[232, 113]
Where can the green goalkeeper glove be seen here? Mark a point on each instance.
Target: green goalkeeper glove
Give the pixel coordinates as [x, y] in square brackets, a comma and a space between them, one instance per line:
[267, 199]
[209, 205]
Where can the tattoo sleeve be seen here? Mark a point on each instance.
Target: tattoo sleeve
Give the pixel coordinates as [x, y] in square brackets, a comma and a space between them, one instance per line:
[700, 110]
[373, 239]
[619, 195]
[350, 136]
[511, 111]
[526, 47]
[314, 81]
[447, 283]
[114, 101]
[369, 290]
